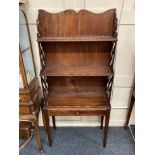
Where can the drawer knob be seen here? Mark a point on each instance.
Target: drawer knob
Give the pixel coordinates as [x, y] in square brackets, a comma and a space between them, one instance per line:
[76, 113]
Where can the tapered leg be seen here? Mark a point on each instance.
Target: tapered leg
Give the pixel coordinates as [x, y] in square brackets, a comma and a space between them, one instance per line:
[36, 126]
[129, 112]
[46, 117]
[106, 128]
[102, 118]
[53, 119]
[44, 121]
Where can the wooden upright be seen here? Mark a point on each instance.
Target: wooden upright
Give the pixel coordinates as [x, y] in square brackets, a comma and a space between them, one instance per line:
[77, 51]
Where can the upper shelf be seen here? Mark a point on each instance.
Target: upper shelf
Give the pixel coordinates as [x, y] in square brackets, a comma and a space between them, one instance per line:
[104, 70]
[77, 39]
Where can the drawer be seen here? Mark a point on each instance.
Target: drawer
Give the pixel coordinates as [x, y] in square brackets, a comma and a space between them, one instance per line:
[29, 107]
[24, 97]
[25, 109]
[30, 96]
[75, 112]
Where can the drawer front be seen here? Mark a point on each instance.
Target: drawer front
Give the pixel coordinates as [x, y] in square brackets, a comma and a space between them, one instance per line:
[28, 107]
[62, 112]
[24, 109]
[29, 96]
[24, 97]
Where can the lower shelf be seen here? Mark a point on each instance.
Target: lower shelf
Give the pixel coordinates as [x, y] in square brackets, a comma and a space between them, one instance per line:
[77, 100]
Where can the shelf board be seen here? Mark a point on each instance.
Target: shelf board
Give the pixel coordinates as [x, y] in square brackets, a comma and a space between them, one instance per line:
[76, 100]
[77, 39]
[50, 70]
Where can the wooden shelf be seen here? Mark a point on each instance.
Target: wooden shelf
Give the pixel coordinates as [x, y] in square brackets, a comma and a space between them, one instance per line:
[104, 70]
[76, 100]
[77, 39]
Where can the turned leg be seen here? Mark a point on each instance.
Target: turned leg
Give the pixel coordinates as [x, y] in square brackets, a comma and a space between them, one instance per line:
[53, 119]
[102, 118]
[36, 126]
[106, 128]
[46, 117]
[129, 113]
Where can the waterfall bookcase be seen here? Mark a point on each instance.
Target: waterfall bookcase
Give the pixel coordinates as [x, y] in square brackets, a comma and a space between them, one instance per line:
[77, 51]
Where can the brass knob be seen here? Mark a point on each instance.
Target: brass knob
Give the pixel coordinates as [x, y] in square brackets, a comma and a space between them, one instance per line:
[77, 113]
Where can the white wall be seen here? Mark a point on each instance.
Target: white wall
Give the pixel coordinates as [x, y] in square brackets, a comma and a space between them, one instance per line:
[124, 67]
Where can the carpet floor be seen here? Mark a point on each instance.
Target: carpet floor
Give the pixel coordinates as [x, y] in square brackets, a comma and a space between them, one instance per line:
[83, 141]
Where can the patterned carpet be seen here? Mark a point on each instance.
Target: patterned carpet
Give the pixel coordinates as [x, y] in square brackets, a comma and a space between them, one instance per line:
[83, 141]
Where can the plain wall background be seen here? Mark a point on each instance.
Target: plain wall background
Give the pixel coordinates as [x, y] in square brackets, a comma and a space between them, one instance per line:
[124, 66]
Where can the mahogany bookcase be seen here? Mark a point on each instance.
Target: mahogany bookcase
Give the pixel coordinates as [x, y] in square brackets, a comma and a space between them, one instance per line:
[77, 51]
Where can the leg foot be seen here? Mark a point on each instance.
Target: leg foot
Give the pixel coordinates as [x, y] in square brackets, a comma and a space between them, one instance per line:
[36, 126]
[129, 112]
[125, 127]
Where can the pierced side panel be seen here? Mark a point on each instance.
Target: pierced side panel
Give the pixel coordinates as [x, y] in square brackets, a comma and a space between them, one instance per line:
[109, 87]
[44, 87]
[42, 55]
[70, 23]
[112, 53]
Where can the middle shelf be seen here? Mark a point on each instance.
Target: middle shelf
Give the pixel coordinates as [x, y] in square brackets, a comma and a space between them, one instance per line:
[90, 70]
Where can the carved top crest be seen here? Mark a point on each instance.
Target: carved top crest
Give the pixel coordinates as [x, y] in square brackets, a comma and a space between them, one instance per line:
[70, 23]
